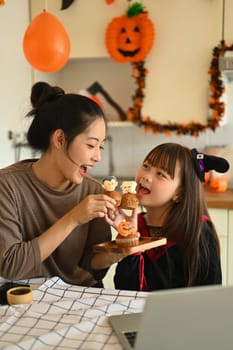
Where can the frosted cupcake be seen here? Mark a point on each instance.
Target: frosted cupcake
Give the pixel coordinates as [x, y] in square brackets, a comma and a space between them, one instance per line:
[129, 199]
[109, 183]
[127, 235]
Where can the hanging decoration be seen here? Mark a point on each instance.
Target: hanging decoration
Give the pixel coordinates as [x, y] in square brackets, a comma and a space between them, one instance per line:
[130, 37]
[46, 43]
[192, 128]
[126, 44]
[2, 2]
[217, 87]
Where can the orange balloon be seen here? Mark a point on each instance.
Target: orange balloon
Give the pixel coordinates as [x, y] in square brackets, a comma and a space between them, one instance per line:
[46, 43]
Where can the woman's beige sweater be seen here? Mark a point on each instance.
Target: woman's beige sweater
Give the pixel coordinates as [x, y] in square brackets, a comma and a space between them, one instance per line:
[27, 208]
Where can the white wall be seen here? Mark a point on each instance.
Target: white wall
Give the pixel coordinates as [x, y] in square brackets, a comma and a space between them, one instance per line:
[130, 144]
[15, 74]
[178, 62]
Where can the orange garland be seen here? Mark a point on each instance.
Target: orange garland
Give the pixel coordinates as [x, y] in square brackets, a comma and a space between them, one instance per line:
[193, 128]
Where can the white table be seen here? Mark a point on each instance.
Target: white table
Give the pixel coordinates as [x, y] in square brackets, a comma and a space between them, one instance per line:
[64, 316]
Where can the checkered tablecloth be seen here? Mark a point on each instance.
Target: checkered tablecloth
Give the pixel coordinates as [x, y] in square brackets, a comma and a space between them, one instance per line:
[64, 316]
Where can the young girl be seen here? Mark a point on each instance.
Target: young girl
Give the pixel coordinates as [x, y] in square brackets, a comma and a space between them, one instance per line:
[169, 188]
[51, 211]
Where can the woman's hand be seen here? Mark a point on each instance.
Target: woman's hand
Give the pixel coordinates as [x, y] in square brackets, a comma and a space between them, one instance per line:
[106, 259]
[93, 206]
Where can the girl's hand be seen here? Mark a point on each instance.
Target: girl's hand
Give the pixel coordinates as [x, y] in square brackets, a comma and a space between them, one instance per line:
[114, 217]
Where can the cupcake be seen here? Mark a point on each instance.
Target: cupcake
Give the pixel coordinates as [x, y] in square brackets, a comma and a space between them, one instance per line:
[115, 195]
[129, 199]
[127, 235]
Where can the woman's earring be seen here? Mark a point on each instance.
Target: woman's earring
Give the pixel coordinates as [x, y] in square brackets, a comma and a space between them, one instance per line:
[176, 199]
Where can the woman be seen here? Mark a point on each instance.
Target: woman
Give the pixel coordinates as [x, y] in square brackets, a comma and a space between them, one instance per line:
[51, 211]
[169, 188]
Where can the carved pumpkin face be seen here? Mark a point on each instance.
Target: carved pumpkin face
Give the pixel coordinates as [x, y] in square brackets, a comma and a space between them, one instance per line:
[130, 39]
[126, 228]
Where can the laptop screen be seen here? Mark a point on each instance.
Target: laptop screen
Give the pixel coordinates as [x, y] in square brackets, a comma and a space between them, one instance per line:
[181, 319]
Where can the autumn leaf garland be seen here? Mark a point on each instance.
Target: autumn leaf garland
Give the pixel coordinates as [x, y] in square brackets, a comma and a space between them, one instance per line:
[192, 128]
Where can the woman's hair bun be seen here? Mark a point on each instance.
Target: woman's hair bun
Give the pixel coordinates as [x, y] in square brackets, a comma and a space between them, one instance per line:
[43, 92]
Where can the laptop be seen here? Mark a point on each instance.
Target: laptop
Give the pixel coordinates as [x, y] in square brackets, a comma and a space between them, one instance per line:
[197, 318]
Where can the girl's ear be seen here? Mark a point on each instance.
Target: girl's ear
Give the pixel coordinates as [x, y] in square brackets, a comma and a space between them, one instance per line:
[58, 138]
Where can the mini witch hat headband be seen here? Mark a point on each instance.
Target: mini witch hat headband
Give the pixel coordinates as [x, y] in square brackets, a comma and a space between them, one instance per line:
[204, 163]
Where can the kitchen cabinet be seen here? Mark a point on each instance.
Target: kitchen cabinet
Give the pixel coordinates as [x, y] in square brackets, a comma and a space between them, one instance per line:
[220, 218]
[220, 207]
[230, 247]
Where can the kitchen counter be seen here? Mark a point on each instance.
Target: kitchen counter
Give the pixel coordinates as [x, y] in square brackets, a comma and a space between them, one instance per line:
[220, 207]
[223, 200]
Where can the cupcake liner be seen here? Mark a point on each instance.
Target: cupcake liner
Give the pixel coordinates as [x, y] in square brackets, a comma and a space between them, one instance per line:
[127, 241]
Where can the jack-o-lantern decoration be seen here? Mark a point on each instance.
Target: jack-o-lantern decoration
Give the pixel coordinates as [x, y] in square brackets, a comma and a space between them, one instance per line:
[218, 184]
[126, 228]
[130, 37]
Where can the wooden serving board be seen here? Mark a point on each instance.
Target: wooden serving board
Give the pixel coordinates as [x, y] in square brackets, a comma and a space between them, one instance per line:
[144, 244]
